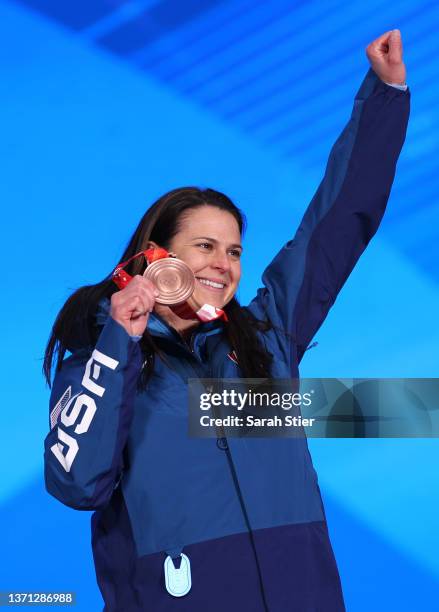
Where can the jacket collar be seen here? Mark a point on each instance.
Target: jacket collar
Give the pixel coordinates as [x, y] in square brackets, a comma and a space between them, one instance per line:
[157, 326]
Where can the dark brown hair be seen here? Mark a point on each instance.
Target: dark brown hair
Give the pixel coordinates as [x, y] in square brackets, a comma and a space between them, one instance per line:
[75, 326]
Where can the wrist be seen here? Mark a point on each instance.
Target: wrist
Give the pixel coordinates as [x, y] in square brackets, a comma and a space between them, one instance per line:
[401, 86]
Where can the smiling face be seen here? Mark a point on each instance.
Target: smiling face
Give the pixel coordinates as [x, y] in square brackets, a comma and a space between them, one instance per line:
[209, 242]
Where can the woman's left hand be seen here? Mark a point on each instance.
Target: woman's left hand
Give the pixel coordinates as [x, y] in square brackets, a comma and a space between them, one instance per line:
[385, 57]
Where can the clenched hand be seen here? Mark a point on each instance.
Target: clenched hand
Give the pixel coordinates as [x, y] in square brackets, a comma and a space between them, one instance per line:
[131, 306]
[385, 57]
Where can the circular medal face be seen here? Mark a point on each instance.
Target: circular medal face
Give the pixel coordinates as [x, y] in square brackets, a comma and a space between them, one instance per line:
[173, 278]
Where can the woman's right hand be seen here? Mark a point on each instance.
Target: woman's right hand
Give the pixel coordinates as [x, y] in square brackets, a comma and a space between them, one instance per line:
[131, 306]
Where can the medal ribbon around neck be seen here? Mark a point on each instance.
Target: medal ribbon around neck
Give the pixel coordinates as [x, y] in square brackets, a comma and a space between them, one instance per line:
[174, 280]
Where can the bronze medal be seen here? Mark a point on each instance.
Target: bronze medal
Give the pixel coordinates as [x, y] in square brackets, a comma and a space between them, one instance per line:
[173, 278]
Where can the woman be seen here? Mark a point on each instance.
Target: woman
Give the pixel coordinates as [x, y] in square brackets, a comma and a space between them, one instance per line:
[229, 524]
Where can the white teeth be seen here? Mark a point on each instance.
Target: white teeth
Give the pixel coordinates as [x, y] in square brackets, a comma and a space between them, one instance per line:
[211, 283]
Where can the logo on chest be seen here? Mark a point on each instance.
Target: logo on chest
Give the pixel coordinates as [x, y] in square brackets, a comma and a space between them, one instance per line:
[233, 357]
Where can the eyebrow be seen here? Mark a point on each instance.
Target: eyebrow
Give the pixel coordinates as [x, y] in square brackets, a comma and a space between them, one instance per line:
[235, 245]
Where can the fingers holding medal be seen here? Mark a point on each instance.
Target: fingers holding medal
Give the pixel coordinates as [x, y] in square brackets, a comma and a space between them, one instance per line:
[167, 280]
[131, 306]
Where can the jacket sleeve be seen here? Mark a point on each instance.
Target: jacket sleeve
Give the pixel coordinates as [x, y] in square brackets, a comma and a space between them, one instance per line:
[91, 409]
[303, 280]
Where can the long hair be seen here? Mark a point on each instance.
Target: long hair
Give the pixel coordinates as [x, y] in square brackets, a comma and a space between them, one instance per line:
[75, 326]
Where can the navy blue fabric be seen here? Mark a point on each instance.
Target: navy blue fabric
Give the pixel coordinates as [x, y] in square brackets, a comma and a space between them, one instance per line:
[247, 512]
[297, 562]
[303, 280]
[305, 579]
[89, 483]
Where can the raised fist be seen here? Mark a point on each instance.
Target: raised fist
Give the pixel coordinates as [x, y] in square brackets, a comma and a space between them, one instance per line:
[385, 57]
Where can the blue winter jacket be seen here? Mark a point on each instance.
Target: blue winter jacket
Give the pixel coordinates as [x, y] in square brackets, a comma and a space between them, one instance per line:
[246, 513]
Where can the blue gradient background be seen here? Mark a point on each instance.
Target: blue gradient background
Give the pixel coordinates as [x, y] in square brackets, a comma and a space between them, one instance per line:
[108, 104]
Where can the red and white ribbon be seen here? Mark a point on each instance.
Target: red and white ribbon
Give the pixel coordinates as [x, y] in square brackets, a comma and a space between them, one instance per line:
[206, 313]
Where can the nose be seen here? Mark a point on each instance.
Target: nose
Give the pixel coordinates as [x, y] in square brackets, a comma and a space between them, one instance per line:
[221, 261]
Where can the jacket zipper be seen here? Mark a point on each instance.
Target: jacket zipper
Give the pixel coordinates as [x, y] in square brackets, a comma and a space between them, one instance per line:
[232, 468]
[226, 448]
[246, 519]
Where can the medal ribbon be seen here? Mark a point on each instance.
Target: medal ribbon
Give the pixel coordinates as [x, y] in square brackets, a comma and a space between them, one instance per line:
[207, 312]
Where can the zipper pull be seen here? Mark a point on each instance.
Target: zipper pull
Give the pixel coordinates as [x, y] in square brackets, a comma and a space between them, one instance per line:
[178, 581]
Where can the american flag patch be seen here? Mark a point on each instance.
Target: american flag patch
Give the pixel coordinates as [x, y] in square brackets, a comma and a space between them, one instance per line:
[59, 406]
[233, 357]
